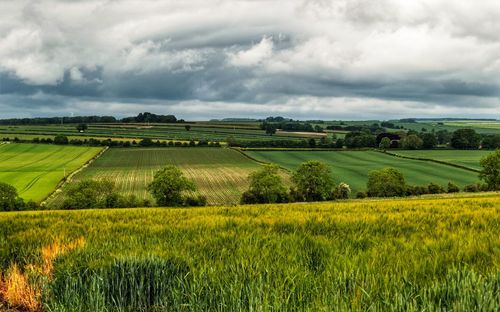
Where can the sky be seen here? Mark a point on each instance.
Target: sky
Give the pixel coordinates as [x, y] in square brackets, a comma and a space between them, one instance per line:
[311, 59]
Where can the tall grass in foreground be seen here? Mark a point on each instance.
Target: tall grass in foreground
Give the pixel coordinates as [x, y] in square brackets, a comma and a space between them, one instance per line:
[387, 255]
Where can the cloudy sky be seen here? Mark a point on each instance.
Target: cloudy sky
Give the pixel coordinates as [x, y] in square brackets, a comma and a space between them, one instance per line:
[329, 59]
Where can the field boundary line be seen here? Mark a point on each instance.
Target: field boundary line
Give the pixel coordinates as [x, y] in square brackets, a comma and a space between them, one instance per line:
[66, 180]
[301, 149]
[239, 150]
[430, 160]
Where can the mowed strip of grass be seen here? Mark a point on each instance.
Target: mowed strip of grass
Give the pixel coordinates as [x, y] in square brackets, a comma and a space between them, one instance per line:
[371, 255]
[465, 158]
[220, 174]
[352, 167]
[36, 169]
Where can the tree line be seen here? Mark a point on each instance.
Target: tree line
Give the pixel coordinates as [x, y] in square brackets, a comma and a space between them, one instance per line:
[312, 181]
[146, 142]
[140, 118]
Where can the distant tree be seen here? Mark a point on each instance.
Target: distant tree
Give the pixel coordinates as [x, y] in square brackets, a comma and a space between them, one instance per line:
[187, 127]
[443, 136]
[429, 140]
[360, 139]
[266, 186]
[339, 143]
[270, 129]
[387, 182]
[491, 141]
[318, 128]
[61, 140]
[312, 142]
[385, 143]
[490, 172]
[465, 139]
[231, 141]
[146, 142]
[9, 199]
[323, 141]
[81, 127]
[313, 181]
[412, 142]
[168, 186]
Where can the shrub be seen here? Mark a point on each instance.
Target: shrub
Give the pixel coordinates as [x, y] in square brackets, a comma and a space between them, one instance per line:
[61, 140]
[360, 195]
[342, 191]
[387, 182]
[266, 186]
[471, 188]
[434, 188]
[196, 201]
[91, 194]
[313, 181]
[416, 190]
[453, 188]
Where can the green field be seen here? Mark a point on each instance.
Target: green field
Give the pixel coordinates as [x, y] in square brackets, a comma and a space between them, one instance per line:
[373, 255]
[460, 157]
[36, 169]
[352, 167]
[206, 130]
[220, 174]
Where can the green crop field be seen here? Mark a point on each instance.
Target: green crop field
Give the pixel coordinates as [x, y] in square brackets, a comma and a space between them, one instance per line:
[36, 169]
[209, 131]
[352, 167]
[460, 157]
[220, 174]
[372, 255]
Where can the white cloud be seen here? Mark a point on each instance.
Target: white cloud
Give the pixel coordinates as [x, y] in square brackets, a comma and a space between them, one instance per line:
[253, 56]
[257, 51]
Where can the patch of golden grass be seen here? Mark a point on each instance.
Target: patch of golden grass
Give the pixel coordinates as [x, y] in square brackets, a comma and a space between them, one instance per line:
[51, 252]
[16, 291]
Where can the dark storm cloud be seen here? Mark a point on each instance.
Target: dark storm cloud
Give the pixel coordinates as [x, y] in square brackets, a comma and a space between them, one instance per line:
[350, 59]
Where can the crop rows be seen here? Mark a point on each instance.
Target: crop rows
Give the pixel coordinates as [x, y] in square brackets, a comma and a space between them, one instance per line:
[352, 167]
[372, 255]
[36, 169]
[220, 174]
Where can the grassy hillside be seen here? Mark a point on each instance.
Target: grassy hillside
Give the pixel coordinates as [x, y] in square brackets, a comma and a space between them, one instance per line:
[460, 157]
[36, 169]
[220, 174]
[352, 167]
[378, 255]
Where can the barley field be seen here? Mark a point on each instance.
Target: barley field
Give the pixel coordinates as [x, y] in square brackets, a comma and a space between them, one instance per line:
[434, 254]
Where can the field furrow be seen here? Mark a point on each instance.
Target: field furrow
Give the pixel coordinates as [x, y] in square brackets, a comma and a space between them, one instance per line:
[220, 174]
